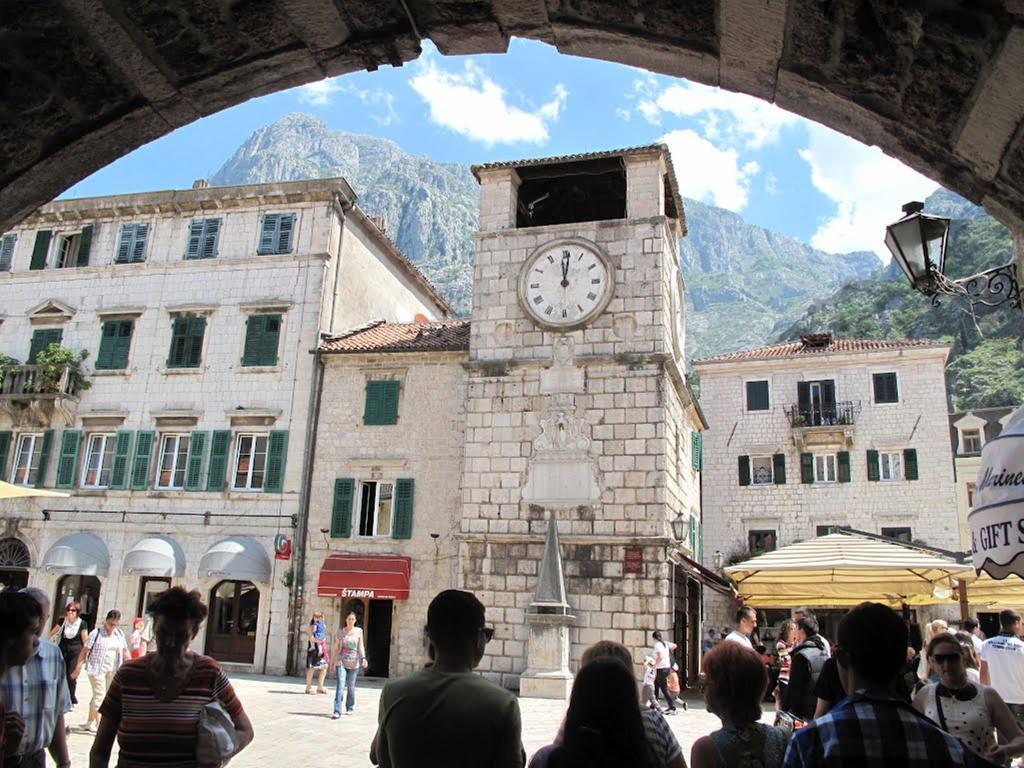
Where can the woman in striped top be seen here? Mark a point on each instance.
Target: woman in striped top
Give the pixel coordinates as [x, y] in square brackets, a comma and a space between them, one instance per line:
[153, 704]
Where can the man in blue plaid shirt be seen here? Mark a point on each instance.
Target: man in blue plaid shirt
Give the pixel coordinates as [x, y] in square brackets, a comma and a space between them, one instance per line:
[38, 691]
[871, 726]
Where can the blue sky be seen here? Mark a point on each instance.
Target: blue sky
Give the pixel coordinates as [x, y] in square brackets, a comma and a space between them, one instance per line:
[770, 166]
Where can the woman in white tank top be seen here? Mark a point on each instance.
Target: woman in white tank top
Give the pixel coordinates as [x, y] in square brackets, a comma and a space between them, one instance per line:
[970, 711]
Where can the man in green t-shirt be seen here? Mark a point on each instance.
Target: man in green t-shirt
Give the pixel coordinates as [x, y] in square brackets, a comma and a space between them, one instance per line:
[446, 714]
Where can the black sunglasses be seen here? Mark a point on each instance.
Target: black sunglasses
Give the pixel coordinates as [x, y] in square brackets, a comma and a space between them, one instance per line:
[942, 658]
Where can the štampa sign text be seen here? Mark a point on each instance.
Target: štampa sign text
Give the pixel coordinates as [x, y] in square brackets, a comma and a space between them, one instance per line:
[997, 519]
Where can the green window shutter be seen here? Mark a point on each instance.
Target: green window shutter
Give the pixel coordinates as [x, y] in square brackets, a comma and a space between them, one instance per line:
[84, 246]
[106, 346]
[141, 463]
[196, 454]
[277, 453]
[195, 239]
[843, 466]
[253, 335]
[341, 512]
[40, 249]
[285, 229]
[910, 464]
[122, 457]
[697, 450]
[744, 467]
[220, 448]
[7, 252]
[270, 339]
[124, 244]
[67, 463]
[139, 242]
[806, 468]
[779, 468]
[41, 339]
[194, 348]
[211, 234]
[5, 450]
[873, 472]
[115, 342]
[389, 406]
[403, 508]
[179, 335]
[268, 233]
[372, 411]
[44, 457]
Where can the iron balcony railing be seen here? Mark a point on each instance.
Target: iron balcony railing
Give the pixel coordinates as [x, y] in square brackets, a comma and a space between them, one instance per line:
[828, 415]
[28, 381]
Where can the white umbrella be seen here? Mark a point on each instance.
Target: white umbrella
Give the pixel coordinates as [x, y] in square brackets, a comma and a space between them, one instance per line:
[9, 491]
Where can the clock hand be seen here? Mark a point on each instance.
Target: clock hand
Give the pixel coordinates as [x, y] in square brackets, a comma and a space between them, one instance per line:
[565, 269]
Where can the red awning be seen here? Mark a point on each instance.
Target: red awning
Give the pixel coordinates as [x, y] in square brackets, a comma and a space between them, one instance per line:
[378, 577]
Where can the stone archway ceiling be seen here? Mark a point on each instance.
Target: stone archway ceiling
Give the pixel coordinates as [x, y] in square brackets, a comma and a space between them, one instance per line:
[938, 84]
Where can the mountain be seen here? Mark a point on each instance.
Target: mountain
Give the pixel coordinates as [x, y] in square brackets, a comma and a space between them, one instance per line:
[986, 364]
[744, 281]
[430, 208]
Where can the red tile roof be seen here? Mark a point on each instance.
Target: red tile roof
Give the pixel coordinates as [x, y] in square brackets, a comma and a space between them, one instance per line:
[819, 344]
[381, 336]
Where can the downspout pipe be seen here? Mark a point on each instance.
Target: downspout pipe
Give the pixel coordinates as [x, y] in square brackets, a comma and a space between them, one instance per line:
[299, 581]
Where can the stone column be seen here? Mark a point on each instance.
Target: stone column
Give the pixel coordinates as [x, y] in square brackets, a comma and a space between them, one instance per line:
[548, 675]
[499, 199]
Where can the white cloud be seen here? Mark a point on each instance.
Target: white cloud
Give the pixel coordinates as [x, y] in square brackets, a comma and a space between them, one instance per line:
[867, 186]
[472, 105]
[323, 93]
[320, 93]
[708, 173]
[726, 117]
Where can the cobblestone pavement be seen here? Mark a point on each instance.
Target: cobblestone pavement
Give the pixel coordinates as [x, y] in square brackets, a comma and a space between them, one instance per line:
[293, 729]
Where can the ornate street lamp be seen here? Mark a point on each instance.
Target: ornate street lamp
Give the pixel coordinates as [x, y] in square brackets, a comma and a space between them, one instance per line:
[681, 527]
[918, 243]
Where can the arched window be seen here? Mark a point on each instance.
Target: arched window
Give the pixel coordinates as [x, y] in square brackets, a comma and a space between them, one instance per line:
[14, 554]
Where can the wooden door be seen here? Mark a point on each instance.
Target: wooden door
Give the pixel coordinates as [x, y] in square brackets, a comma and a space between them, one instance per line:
[234, 613]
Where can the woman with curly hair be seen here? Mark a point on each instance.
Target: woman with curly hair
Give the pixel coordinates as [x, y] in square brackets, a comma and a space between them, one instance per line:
[154, 703]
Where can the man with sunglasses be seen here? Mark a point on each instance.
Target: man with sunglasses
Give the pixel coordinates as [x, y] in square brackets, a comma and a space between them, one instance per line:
[446, 714]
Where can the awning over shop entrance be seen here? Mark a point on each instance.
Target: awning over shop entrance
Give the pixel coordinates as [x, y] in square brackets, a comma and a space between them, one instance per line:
[843, 569]
[155, 556]
[378, 577]
[236, 557]
[78, 554]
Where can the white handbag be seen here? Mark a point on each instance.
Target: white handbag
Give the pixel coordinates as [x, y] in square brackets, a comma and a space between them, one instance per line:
[218, 740]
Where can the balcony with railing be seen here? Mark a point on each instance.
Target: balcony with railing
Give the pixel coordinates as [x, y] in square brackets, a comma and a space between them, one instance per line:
[35, 392]
[825, 424]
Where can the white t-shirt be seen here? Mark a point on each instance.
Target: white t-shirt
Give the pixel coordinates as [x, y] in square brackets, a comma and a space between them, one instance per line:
[649, 674]
[1004, 655]
[661, 657]
[977, 642]
[738, 637]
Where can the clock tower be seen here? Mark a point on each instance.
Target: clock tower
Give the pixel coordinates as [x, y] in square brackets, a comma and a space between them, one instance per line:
[581, 478]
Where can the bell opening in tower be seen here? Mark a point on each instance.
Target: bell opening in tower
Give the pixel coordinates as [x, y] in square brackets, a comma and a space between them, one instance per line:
[566, 193]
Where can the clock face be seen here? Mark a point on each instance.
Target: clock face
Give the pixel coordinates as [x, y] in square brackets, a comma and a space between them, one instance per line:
[565, 283]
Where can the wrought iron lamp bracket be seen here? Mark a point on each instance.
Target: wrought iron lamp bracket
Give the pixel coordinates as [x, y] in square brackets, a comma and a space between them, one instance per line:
[990, 288]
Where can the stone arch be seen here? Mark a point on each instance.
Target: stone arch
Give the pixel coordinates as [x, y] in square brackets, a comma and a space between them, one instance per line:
[940, 87]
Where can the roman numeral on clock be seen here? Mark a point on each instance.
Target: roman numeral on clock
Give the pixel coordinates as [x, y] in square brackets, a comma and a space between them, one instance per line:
[591, 295]
[538, 299]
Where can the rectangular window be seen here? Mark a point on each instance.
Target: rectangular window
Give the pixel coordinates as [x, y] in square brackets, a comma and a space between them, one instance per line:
[262, 334]
[897, 534]
[760, 542]
[375, 507]
[890, 465]
[381, 402]
[187, 333]
[99, 460]
[170, 471]
[67, 250]
[886, 387]
[824, 468]
[203, 235]
[131, 247]
[41, 339]
[824, 530]
[276, 233]
[115, 342]
[970, 495]
[757, 396]
[761, 470]
[27, 454]
[970, 441]
[7, 252]
[250, 462]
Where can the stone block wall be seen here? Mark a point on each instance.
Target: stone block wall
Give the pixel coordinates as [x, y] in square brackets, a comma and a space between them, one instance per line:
[425, 445]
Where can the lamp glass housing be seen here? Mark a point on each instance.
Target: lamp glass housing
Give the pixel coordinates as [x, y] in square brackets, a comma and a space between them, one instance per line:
[918, 243]
[681, 527]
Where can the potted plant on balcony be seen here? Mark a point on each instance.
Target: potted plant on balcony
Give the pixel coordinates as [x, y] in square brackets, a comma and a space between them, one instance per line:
[52, 362]
[799, 420]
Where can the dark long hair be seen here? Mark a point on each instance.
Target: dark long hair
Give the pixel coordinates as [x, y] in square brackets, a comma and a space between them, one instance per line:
[603, 726]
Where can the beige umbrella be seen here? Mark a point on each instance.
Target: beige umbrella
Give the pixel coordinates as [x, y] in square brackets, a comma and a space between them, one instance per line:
[9, 491]
[993, 593]
[843, 569]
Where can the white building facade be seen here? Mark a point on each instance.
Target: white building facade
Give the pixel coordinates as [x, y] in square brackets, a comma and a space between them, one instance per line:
[824, 432]
[184, 460]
